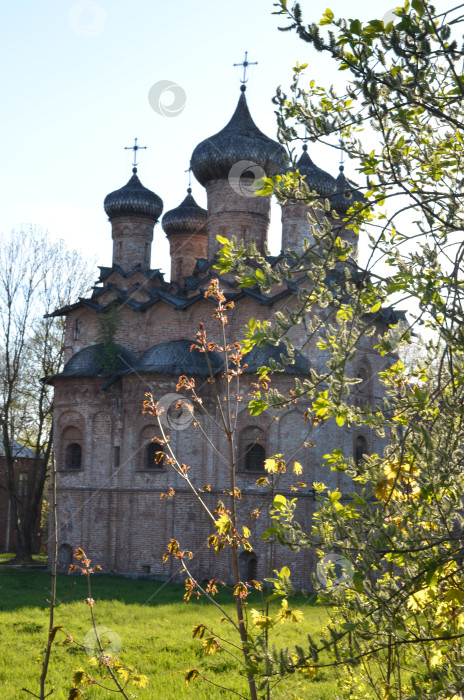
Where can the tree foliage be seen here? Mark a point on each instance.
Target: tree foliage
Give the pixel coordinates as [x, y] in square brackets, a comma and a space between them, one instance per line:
[398, 621]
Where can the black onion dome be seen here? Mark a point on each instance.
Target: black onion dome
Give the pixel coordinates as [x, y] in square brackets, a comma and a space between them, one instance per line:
[240, 140]
[345, 194]
[133, 200]
[317, 179]
[188, 217]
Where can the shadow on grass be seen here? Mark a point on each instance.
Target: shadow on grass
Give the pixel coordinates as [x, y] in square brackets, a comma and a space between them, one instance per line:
[30, 588]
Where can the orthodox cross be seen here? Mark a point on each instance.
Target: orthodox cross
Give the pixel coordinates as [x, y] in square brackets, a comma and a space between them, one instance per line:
[245, 65]
[134, 148]
[342, 152]
[189, 171]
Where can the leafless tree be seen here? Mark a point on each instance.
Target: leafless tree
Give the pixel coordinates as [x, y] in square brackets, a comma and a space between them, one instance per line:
[37, 275]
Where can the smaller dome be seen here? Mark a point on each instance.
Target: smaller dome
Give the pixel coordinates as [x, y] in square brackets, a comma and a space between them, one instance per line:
[188, 217]
[345, 194]
[133, 200]
[317, 179]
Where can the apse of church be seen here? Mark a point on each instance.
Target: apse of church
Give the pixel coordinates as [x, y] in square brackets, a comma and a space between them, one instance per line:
[108, 482]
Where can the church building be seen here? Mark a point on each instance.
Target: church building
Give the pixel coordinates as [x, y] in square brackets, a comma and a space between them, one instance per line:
[133, 335]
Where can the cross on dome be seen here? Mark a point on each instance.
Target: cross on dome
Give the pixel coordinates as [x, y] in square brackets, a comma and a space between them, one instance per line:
[189, 171]
[245, 63]
[135, 148]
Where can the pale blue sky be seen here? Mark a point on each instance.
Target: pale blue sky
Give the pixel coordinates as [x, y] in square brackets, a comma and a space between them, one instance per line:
[74, 92]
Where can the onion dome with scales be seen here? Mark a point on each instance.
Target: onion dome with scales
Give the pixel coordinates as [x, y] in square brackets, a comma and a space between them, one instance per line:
[345, 194]
[188, 217]
[316, 179]
[240, 140]
[133, 200]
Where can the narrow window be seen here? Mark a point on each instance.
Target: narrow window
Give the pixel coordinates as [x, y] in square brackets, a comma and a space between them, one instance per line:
[77, 329]
[22, 486]
[362, 384]
[252, 569]
[360, 448]
[153, 456]
[252, 451]
[116, 455]
[73, 457]
[254, 458]
[248, 566]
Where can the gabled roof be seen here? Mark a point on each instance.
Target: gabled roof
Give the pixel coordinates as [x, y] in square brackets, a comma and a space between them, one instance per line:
[17, 449]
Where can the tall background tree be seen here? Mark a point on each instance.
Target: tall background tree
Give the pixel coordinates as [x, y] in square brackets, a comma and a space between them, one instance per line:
[37, 275]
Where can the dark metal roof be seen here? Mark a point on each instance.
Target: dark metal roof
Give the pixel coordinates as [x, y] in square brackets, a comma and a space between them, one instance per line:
[345, 194]
[188, 217]
[315, 178]
[240, 140]
[94, 361]
[176, 357]
[133, 200]
[149, 274]
[17, 450]
[259, 357]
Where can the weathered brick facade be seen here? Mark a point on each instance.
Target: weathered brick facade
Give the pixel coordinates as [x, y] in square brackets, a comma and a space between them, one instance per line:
[108, 494]
[24, 466]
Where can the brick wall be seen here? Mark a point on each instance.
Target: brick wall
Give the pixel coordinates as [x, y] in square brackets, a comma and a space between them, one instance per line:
[24, 470]
[111, 506]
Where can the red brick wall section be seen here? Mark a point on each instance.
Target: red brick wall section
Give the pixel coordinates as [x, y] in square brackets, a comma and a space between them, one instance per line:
[23, 466]
[185, 249]
[132, 239]
[233, 211]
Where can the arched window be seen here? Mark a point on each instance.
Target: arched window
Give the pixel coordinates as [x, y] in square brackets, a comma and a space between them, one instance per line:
[77, 329]
[22, 486]
[153, 456]
[254, 458]
[65, 556]
[363, 389]
[362, 385]
[73, 456]
[248, 566]
[252, 451]
[360, 448]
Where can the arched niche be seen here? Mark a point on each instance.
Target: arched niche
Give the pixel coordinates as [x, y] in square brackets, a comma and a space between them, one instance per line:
[149, 457]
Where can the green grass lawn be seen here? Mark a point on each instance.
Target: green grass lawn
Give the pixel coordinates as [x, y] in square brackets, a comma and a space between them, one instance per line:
[6, 558]
[154, 625]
